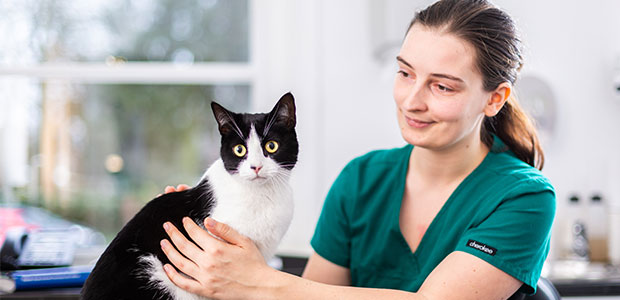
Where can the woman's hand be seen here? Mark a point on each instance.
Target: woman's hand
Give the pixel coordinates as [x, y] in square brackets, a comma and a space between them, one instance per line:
[170, 189]
[230, 268]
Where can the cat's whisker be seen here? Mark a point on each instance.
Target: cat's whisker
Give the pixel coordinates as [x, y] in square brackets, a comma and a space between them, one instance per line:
[283, 178]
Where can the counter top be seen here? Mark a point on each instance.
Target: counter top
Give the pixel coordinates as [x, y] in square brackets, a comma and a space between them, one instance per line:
[587, 287]
[581, 278]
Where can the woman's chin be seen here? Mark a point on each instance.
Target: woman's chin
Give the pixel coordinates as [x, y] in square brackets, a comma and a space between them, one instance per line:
[426, 141]
[416, 141]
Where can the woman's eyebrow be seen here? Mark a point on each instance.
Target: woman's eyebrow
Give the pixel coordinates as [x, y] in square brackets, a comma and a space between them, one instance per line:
[440, 75]
[400, 59]
[447, 77]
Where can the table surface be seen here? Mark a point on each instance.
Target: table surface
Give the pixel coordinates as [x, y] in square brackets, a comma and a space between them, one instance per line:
[566, 287]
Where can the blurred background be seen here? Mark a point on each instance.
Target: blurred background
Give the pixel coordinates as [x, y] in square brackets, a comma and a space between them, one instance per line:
[104, 103]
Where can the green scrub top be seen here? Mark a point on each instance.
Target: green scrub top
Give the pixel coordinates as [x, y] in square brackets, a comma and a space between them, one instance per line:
[502, 213]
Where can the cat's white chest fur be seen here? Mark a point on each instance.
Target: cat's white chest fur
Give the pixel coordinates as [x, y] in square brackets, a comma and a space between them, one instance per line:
[261, 211]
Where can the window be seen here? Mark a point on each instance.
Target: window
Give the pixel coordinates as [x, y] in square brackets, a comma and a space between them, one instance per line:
[181, 31]
[106, 102]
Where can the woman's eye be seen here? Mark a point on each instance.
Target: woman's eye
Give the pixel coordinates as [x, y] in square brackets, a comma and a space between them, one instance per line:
[271, 146]
[239, 150]
[444, 88]
[403, 73]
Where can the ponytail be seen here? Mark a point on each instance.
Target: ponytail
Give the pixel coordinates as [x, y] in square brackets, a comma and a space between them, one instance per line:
[515, 128]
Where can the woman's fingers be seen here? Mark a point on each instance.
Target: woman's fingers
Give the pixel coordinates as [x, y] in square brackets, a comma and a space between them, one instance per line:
[199, 235]
[185, 265]
[226, 232]
[187, 248]
[223, 263]
[181, 281]
[182, 187]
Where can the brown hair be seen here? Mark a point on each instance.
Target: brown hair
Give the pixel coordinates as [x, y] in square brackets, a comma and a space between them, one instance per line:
[493, 35]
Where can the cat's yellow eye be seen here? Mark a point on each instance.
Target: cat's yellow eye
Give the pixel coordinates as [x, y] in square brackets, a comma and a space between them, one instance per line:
[271, 146]
[239, 150]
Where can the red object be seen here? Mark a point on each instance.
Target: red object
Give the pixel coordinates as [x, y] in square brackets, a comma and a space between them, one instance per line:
[12, 217]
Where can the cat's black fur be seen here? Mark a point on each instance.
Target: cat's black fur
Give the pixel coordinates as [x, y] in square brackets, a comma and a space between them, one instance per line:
[118, 273]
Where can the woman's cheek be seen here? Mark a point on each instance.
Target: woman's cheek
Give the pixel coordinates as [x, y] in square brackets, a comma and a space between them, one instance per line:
[400, 94]
[446, 111]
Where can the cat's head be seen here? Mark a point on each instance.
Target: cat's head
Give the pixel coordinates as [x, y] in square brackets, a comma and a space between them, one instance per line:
[259, 147]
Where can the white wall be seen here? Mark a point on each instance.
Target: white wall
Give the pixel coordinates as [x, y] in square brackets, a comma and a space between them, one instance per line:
[575, 47]
[341, 70]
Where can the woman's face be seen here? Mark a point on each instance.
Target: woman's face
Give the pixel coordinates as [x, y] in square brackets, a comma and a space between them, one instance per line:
[439, 93]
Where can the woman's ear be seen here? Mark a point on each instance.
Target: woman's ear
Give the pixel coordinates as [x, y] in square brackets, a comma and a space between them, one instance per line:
[497, 99]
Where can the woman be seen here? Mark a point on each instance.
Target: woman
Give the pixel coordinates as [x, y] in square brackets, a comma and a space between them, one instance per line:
[461, 212]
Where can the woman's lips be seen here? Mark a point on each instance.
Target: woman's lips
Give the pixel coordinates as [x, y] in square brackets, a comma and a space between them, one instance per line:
[418, 123]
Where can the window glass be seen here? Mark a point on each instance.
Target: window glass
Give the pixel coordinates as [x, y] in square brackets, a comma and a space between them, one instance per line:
[182, 31]
[97, 153]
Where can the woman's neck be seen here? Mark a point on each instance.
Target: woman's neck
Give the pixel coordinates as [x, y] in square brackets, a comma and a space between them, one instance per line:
[444, 166]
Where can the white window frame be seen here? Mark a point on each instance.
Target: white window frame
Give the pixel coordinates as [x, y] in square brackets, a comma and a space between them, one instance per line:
[138, 72]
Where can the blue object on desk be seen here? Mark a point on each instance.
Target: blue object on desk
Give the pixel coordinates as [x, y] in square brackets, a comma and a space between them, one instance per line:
[50, 278]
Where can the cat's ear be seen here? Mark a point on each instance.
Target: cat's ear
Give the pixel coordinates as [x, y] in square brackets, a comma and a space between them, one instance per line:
[284, 111]
[224, 119]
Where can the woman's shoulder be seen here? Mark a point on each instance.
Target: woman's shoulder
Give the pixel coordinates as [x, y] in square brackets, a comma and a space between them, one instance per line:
[515, 174]
[504, 164]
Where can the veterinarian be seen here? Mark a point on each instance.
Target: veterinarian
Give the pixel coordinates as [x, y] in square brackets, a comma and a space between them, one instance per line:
[461, 212]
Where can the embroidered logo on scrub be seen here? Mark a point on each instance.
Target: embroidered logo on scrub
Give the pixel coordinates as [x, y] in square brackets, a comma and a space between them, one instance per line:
[482, 247]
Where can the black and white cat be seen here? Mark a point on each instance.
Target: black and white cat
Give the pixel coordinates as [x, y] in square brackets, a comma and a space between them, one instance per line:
[247, 188]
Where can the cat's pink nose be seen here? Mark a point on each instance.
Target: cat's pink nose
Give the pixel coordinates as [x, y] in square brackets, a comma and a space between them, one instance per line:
[256, 169]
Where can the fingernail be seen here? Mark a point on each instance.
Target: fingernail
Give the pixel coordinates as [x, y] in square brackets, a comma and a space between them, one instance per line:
[163, 243]
[211, 222]
[166, 226]
[167, 267]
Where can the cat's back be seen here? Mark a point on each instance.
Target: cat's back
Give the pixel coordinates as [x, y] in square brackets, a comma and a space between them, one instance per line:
[120, 271]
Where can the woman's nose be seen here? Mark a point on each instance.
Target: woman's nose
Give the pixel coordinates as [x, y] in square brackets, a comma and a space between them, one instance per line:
[415, 99]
